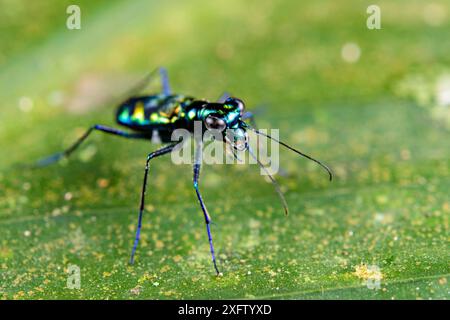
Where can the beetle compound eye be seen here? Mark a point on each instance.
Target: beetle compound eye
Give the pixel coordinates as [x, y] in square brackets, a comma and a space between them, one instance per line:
[240, 105]
[236, 103]
[215, 123]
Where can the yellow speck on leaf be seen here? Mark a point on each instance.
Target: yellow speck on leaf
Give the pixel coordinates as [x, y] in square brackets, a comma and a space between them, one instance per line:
[144, 278]
[165, 269]
[169, 293]
[18, 295]
[366, 272]
[5, 253]
[159, 244]
[102, 183]
[136, 290]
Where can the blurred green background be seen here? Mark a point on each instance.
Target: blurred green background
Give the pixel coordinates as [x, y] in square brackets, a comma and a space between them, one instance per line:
[373, 104]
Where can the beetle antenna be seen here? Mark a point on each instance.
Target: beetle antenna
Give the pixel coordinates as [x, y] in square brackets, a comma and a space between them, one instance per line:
[295, 150]
[272, 179]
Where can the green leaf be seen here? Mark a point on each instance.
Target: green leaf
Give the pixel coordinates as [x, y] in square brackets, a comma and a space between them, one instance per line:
[378, 231]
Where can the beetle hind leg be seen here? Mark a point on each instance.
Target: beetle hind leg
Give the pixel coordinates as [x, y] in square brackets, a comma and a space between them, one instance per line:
[66, 153]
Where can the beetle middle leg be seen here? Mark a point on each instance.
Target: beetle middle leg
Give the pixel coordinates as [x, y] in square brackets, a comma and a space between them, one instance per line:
[58, 156]
[150, 156]
[139, 86]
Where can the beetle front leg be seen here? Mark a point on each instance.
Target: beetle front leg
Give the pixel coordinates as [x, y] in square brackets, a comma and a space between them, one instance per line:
[197, 166]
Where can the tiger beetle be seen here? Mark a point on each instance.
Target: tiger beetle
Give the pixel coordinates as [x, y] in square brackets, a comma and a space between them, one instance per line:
[157, 116]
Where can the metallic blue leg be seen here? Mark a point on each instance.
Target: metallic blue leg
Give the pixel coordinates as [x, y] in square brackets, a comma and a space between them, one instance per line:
[250, 116]
[223, 97]
[205, 213]
[165, 81]
[165, 86]
[58, 156]
[152, 155]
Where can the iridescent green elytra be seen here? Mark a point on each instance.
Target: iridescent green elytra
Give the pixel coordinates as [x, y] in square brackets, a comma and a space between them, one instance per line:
[166, 112]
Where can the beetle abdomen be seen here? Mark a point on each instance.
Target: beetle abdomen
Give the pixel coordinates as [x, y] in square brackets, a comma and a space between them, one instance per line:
[152, 112]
